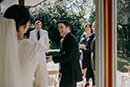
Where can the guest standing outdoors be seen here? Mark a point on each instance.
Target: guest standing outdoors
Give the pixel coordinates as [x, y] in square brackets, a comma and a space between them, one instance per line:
[70, 71]
[85, 46]
[41, 36]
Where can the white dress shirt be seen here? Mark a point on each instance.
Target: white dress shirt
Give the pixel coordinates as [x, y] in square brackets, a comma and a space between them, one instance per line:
[44, 39]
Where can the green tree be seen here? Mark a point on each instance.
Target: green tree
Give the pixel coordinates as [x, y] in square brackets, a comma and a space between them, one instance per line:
[92, 17]
[77, 12]
[123, 27]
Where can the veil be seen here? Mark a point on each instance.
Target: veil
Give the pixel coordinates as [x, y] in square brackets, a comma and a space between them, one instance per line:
[9, 64]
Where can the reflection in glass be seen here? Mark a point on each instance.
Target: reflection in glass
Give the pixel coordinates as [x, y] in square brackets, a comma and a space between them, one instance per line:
[123, 43]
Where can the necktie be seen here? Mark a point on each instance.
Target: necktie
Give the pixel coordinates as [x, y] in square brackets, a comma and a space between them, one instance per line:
[38, 35]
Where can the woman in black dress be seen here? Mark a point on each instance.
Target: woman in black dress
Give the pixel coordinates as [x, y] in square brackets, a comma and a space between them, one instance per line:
[85, 46]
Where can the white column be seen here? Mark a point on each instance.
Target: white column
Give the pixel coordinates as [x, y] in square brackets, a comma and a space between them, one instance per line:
[100, 81]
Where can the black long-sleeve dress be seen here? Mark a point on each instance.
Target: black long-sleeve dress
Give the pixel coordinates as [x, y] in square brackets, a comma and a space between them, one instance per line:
[86, 61]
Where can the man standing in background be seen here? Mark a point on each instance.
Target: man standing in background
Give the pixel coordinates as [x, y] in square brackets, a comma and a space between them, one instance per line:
[40, 35]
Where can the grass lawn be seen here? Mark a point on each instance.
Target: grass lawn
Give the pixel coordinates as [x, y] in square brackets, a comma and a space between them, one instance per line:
[53, 53]
[121, 62]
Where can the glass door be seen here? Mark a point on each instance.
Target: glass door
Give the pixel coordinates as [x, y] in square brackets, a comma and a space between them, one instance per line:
[122, 42]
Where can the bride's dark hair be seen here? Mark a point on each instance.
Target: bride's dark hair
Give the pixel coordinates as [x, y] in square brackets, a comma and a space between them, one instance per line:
[1, 1]
[19, 13]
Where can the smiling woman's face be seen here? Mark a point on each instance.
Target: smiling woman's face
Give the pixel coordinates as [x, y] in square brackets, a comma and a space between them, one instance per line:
[87, 29]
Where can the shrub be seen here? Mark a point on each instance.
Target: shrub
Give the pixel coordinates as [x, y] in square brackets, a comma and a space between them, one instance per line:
[121, 62]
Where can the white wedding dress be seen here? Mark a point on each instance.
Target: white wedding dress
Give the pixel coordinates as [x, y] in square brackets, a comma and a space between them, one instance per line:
[32, 56]
[9, 63]
[19, 59]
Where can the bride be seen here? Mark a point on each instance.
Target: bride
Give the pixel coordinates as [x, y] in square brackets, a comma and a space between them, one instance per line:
[30, 54]
[9, 64]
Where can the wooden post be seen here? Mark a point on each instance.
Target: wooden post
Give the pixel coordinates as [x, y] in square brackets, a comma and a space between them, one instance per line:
[108, 43]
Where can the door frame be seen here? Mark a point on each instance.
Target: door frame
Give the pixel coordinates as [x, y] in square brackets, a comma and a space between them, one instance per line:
[100, 43]
[108, 43]
[105, 43]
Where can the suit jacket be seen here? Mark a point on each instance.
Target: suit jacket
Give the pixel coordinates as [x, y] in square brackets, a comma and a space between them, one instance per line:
[44, 40]
[69, 60]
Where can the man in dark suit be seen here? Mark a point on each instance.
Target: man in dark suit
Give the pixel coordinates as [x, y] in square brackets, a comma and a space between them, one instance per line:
[70, 71]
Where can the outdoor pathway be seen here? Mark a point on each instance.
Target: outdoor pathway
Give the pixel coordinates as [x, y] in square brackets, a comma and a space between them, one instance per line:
[126, 83]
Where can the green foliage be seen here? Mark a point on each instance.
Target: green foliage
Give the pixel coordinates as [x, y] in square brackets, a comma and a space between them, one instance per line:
[51, 12]
[79, 33]
[123, 11]
[123, 27]
[92, 17]
[121, 62]
[53, 53]
[123, 35]
[53, 45]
